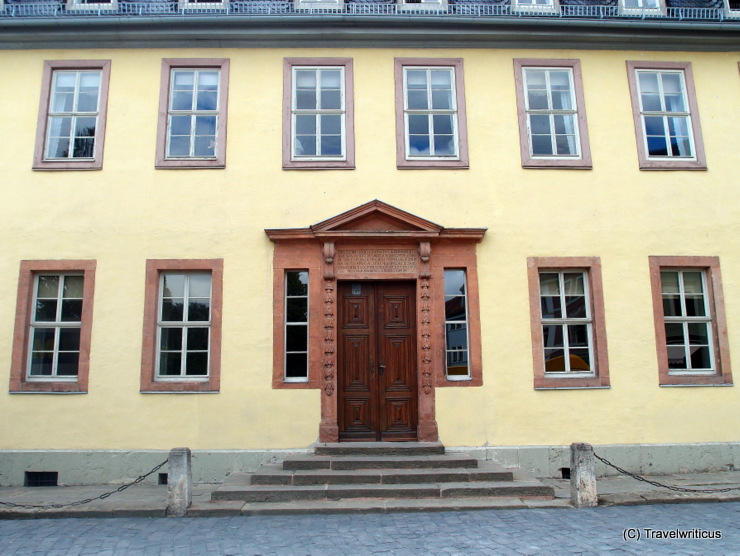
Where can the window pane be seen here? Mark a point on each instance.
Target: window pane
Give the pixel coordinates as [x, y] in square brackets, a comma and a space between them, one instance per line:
[444, 145]
[442, 124]
[170, 363]
[305, 124]
[442, 100]
[197, 339]
[200, 285]
[296, 337]
[416, 79]
[575, 306]
[549, 283]
[454, 282]
[68, 364]
[41, 364]
[550, 306]
[305, 79]
[297, 310]
[419, 145]
[552, 335]
[46, 310]
[580, 360]
[204, 146]
[417, 100]
[71, 310]
[692, 282]
[331, 100]
[170, 339]
[657, 146]
[541, 145]
[305, 99]
[677, 357]
[700, 358]
[331, 79]
[695, 306]
[205, 125]
[455, 308]
[669, 282]
[698, 334]
[672, 306]
[674, 333]
[296, 365]
[48, 286]
[331, 145]
[537, 99]
[331, 124]
[578, 335]
[43, 339]
[554, 361]
[180, 125]
[172, 309]
[196, 364]
[73, 286]
[173, 285]
[199, 310]
[297, 283]
[418, 124]
[573, 283]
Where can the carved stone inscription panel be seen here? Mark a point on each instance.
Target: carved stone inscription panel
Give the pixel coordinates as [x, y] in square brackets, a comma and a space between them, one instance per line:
[377, 261]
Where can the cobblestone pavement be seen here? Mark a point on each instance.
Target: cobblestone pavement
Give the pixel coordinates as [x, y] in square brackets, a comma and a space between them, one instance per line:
[613, 530]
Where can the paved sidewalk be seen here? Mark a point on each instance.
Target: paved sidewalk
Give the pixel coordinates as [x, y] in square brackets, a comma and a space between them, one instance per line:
[150, 501]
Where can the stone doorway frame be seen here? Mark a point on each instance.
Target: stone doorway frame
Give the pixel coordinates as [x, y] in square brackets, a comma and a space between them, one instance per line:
[376, 241]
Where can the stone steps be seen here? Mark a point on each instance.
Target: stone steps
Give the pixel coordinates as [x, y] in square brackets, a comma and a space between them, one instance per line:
[368, 476]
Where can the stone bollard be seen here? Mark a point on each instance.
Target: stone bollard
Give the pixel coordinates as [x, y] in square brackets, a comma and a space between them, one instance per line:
[583, 492]
[179, 483]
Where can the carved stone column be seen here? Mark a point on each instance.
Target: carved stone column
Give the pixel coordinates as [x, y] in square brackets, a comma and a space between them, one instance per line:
[329, 427]
[427, 427]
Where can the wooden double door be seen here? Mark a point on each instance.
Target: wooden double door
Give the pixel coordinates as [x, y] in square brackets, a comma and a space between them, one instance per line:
[377, 361]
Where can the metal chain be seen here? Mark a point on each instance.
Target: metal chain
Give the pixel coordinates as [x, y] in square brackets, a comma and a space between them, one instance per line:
[86, 500]
[657, 484]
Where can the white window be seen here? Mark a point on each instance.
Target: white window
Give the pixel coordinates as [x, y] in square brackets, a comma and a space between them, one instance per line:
[193, 114]
[649, 7]
[92, 4]
[184, 325]
[430, 113]
[74, 108]
[567, 332]
[332, 5]
[296, 326]
[665, 114]
[688, 322]
[318, 113]
[56, 323]
[203, 4]
[456, 325]
[422, 4]
[552, 119]
[536, 5]
[732, 8]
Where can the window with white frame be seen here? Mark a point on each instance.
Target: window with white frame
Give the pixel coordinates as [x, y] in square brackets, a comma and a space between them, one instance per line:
[665, 114]
[192, 120]
[184, 325]
[566, 322]
[74, 109]
[430, 112]
[536, 5]
[296, 326]
[421, 4]
[642, 6]
[732, 8]
[92, 4]
[319, 4]
[456, 325]
[56, 323]
[688, 322]
[203, 4]
[552, 117]
[318, 113]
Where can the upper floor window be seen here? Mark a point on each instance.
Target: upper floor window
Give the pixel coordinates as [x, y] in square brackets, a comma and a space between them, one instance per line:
[332, 5]
[203, 4]
[732, 8]
[642, 7]
[318, 131]
[192, 126]
[666, 116]
[568, 329]
[552, 114]
[430, 114]
[690, 325]
[182, 326]
[71, 125]
[53, 327]
[536, 5]
[92, 4]
[422, 4]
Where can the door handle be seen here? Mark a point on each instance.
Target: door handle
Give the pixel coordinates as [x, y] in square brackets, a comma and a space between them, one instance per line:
[381, 369]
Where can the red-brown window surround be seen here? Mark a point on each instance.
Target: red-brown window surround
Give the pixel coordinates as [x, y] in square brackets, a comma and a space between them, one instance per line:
[168, 64]
[528, 161]
[646, 163]
[592, 266]
[402, 162]
[19, 382]
[154, 268]
[39, 163]
[715, 297]
[349, 114]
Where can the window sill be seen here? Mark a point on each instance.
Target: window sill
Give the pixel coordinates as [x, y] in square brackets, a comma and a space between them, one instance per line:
[557, 164]
[48, 387]
[433, 164]
[695, 380]
[86, 164]
[668, 164]
[318, 165]
[192, 163]
[572, 383]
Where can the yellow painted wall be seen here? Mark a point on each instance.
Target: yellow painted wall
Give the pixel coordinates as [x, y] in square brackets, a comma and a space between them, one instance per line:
[129, 212]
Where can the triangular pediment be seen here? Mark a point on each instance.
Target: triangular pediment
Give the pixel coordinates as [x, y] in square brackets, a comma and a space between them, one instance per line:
[376, 216]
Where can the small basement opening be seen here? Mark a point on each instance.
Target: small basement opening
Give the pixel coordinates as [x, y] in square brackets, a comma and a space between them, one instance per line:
[41, 479]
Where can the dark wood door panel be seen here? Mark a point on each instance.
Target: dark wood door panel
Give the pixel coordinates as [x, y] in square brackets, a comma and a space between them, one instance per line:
[377, 359]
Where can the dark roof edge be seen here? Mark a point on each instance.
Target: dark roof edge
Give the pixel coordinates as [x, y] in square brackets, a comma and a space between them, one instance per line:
[353, 31]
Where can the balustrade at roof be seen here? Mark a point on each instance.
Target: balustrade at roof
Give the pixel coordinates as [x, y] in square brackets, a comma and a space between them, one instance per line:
[682, 10]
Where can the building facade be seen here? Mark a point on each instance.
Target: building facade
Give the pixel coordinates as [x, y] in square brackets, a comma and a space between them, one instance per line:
[245, 227]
